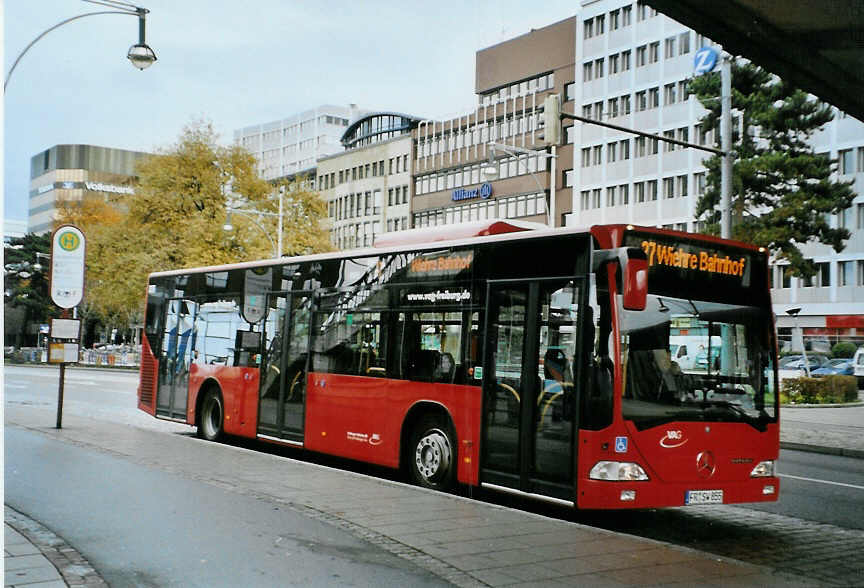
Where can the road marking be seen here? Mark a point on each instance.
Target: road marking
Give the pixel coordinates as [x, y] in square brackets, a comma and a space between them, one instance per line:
[822, 481]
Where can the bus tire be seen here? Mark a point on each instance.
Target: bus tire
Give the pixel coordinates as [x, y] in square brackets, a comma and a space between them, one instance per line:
[212, 418]
[432, 453]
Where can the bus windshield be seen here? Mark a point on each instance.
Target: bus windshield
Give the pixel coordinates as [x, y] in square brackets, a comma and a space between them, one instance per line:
[692, 360]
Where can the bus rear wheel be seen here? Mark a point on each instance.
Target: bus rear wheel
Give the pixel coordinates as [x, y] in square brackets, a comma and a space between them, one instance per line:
[212, 416]
[432, 454]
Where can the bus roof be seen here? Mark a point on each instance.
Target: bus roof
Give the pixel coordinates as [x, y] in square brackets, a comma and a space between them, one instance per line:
[491, 230]
[482, 228]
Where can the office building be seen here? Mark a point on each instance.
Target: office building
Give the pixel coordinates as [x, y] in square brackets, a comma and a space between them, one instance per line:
[633, 65]
[367, 186]
[293, 145]
[451, 158]
[77, 173]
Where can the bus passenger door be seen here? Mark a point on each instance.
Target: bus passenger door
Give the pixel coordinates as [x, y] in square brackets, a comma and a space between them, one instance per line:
[178, 341]
[529, 391]
[282, 398]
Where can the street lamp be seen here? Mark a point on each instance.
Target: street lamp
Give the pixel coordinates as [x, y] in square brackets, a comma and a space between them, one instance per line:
[140, 54]
[249, 212]
[793, 312]
[490, 172]
[228, 227]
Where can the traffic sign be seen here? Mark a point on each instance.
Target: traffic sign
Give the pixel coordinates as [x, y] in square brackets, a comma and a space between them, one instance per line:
[67, 266]
[704, 60]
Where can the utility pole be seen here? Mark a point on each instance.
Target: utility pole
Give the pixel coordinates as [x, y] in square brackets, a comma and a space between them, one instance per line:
[726, 147]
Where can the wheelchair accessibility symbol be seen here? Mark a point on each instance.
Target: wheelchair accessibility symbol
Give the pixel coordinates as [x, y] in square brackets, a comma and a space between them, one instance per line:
[620, 444]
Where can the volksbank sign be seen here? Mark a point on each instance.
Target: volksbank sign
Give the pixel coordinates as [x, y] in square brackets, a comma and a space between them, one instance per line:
[484, 191]
[100, 187]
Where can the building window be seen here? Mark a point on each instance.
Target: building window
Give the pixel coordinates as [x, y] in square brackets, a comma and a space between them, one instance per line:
[586, 156]
[598, 68]
[587, 71]
[612, 107]
[641, 142]
[652, 189]
[597, 158]
[599, 24]
[584, 200]
[684, 43]
[614, 20]
[625, 104]
[669, 48]
[614, 63]
[641, 55]
[624, 194]
[568, 178]
[641, 101]
[682, 186]
[860, 279]
[570, 134]
[626, 16]
[653, 97]
[654, 52]
[669, 93]
[610, 196]
[844, 273]
[847, 164]
[860, 159]
[569, 91]
[653, 146]
[667, 146]
[639, 190]
[588, 27]
[824, 274]
[611, 152]
[669, 187]
[625, 60]
[624, 149]
[595, 197]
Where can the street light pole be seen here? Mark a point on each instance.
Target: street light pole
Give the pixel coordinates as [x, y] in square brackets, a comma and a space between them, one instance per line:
[141, 55]
[228, 227]
[491, 172]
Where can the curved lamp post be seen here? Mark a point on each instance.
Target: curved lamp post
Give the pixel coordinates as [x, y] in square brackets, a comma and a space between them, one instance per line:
[228, 227]
[490, 172]
[140, 54]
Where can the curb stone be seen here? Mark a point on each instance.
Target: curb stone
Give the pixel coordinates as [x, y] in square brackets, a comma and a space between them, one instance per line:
[73, 567]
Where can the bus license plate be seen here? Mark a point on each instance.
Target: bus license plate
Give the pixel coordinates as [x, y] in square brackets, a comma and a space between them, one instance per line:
[703, 497]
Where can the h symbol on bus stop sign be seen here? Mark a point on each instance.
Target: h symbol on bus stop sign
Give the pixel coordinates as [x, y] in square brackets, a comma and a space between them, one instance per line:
[620, 444]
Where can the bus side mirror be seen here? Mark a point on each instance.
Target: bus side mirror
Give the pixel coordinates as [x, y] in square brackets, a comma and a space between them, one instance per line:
[635, 283]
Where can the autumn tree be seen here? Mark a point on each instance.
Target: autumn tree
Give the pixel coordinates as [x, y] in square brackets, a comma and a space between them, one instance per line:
[175, 220]
[782, 190]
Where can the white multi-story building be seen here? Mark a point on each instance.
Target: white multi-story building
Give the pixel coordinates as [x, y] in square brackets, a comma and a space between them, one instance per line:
[633, 64]
[293, 145]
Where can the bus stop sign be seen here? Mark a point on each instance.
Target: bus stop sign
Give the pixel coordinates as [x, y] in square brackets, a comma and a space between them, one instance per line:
[67, 266]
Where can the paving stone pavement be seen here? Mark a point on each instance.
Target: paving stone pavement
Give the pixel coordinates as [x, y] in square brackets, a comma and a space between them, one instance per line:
[465, 541]
[35, 557]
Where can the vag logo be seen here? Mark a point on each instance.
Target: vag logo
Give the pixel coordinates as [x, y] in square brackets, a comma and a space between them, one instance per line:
[673, 438]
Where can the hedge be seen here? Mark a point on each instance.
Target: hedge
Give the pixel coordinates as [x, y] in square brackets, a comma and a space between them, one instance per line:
[827, 390]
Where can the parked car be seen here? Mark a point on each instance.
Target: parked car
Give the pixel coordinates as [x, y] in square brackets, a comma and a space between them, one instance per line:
[796, 362]
[835, 367]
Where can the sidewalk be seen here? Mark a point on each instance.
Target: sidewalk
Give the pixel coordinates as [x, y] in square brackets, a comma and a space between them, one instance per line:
[831, 430]
[464, 541]
[34, 556]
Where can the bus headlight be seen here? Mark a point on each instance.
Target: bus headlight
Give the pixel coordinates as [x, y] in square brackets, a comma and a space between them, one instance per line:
[617, 471]
[764, 469]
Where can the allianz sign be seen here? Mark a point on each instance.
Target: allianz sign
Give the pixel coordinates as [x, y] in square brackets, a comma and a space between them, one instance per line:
[484, 191]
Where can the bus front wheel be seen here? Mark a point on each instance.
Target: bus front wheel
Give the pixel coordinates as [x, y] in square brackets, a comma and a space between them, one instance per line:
[432, 455]
[212, 416]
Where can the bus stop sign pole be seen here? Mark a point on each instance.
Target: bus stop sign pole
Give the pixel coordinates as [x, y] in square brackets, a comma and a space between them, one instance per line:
[66, 283]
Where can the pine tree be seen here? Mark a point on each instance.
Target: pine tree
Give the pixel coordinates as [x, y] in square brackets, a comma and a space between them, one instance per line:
[782, 191]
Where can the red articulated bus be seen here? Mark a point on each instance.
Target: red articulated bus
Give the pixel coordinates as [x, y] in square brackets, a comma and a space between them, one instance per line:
[616, 367]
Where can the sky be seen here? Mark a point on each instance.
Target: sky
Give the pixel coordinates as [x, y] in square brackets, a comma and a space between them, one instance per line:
[236, 64]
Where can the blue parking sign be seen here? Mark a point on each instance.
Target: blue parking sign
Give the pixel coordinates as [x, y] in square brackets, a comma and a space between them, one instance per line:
[620, 444]
[704, 60]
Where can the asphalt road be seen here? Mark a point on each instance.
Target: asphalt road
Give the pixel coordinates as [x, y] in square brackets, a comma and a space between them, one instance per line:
[143, 527]
[815, 529]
